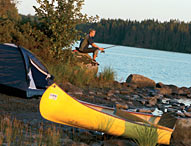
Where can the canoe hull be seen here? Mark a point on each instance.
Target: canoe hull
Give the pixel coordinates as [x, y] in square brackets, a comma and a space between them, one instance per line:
[59, 107]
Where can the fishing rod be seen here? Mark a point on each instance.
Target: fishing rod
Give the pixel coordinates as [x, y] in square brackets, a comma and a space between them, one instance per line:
[108, 47]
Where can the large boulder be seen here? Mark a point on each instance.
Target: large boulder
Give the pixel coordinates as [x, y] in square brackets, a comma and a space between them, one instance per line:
[182, 133]
[84, 60]
[140, 81]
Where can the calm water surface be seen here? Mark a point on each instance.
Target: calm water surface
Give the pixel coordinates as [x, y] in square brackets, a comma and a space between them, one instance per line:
[160, 66]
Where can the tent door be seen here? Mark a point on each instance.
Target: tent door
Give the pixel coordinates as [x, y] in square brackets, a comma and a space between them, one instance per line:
[32, 84]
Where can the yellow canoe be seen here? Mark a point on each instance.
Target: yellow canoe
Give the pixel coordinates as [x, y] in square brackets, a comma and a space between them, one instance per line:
[59, 107]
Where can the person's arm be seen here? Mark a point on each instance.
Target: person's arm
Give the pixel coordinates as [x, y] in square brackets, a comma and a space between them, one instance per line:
[94, 45]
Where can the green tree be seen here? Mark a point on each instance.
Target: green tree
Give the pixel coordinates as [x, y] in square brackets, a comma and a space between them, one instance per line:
[9, 17]
[58, 20]
[8, 10]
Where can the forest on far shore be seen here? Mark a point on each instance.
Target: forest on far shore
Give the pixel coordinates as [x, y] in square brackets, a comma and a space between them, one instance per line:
[152, 34]
[54, 28]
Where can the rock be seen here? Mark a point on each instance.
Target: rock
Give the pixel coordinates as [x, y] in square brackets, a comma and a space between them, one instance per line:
[90, 97]
[124, 84]
[135, 96]
[152, 91]
[142, 101]
[98, 93]
[159, 96]
[182, 133]
[152, 101]
[68, 87]
[189, 96]
[78, 93]
[182, 107]
[107, 98]
[159, 100]
[113, 99]
[187, 114]
[117, 84]
[129, 103]
[140, 81]
[91, 93]
[145, 110]
[165, 90]
[173, 101]
[117, 92]
[122, 105]
[119, 143]
[188, 109]
[180, 114]
[110, 93]
[171, 110]
[183, 91]
[173, 88]
[160, 85]
[136, 103]
[80, 144]
[33, 122]
[84, 60]
[90, 68]
[96, 144]
[132, 86]
[124, 92]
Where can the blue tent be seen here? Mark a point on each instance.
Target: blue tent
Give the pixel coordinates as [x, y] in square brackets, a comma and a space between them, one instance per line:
[21, 73]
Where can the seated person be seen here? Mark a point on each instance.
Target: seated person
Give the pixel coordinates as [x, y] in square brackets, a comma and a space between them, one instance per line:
[88, 40]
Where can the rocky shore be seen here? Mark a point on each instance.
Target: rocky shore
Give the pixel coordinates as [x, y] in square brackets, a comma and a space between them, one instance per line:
[138, 93]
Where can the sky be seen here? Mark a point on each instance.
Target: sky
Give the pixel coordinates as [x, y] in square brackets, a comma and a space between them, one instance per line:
[162, 10]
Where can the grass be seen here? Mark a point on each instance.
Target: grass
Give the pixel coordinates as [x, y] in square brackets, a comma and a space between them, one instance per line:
[14, 132]
[81, 76]
[107, 76]
[146, 136]
[106, 124]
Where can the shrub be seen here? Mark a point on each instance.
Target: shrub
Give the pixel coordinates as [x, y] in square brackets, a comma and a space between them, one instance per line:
[147, 136]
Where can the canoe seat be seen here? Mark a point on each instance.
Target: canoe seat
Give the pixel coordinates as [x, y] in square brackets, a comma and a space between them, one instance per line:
[128, 116]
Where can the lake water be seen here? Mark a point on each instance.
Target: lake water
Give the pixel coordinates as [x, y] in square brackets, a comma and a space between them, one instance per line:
[160, 66]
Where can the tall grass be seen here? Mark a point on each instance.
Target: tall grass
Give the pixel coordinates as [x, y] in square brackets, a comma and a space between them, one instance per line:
[14, 132]
[107, 75]
[105, 124]
[146, 136]
[82, 76]
[73, 74]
